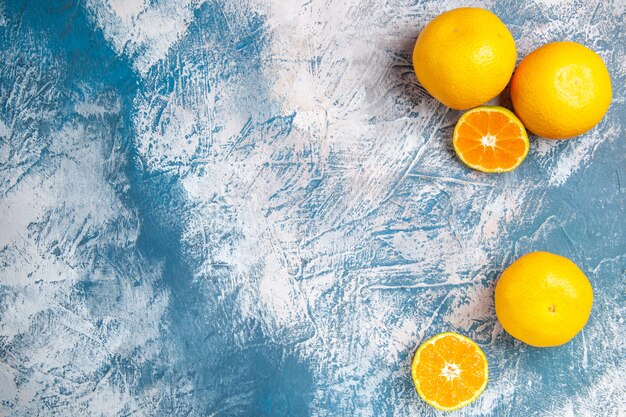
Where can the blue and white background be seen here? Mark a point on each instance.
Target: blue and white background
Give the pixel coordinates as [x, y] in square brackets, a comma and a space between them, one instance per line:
[252, 208]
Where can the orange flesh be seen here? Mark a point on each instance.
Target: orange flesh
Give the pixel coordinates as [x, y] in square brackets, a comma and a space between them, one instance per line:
[452, 388]
[490, 139]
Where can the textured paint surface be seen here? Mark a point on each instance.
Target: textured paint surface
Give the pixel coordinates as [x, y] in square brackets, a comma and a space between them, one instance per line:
[251, 208]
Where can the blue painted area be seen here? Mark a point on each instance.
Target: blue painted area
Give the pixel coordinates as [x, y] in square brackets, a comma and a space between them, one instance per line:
[136, 310]
[195, 347]
[269, 377]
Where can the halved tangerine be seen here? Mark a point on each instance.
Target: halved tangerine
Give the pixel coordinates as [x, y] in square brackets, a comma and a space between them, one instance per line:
[449, 371]
[490, 139]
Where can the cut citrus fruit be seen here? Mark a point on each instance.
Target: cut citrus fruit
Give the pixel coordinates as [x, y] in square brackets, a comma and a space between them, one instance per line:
[490, 139]
[449, 371]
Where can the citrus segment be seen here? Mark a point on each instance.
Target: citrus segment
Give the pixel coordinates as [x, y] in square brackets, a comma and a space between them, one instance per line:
[449, 371]
[490, 139]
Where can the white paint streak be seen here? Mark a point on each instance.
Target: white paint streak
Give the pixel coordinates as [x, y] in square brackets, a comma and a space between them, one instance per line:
[5, 131]
[3, 19]
[472, 307]
[128, 9]
[579, 152]
[143, 31]
[94, 109]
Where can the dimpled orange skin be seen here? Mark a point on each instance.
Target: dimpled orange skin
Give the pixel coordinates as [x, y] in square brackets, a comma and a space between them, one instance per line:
[464, 57]
[543, 299]
[561, 90]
